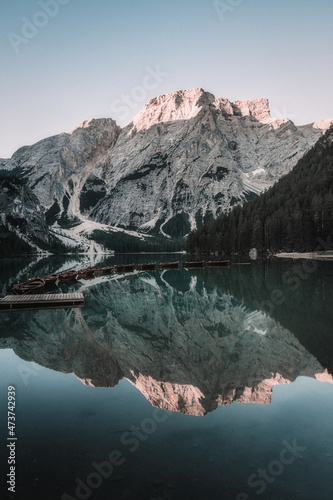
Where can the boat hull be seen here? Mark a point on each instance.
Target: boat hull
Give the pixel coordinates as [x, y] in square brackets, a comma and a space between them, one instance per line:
[34, 285]
[218, 263]
[127, 268]
[146, 267]
[168, 265]
[193, 264]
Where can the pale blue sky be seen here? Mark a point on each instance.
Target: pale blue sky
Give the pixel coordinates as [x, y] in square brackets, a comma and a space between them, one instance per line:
[85, 56]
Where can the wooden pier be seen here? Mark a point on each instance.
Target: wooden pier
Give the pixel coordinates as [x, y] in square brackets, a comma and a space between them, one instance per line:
[45, 301]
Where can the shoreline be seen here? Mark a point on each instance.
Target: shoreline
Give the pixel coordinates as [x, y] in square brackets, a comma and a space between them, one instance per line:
[306, 255]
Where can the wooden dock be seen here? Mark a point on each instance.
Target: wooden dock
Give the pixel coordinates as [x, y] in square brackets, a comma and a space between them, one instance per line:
[45, 301]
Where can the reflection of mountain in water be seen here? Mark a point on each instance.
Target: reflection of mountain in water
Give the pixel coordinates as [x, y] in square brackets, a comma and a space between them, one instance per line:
[187, 346]
[305, 297]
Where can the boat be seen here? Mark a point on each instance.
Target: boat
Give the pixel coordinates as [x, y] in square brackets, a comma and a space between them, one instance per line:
[33, 285]
[193, 264]
[217, 263]
[124, 268]
[99, 271]
[102, 271]
[168, 265]
[107, 270]
[51, 282]
[146, 267]
[51, 278]
[86, 274]
[68, 277]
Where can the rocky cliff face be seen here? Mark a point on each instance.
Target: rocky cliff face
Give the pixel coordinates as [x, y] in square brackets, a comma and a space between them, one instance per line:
[22, 217]
[56, 168]
[190, 156]
[186, 347]
[185, 158]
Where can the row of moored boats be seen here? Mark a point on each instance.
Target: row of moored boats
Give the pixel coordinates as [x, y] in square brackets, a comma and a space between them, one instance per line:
[49, 283]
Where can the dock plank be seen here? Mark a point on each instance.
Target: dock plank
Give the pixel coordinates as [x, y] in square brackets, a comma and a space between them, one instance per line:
[42, 301]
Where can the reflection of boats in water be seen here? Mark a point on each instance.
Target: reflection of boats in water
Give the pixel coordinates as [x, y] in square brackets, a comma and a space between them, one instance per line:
[217, 263]
[168, 265]
[146, 267]
[50, 282]
[194, 264]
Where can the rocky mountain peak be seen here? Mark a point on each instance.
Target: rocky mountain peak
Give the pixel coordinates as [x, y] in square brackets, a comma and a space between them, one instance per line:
[255, 108]
[323, 124]
[180, 105]
[96, 124]
[186, 104]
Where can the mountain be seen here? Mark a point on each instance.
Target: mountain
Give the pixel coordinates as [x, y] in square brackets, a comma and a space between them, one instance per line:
[22, 221]
[187, 345]
[54, 170]
[295, 214]
[184, 159]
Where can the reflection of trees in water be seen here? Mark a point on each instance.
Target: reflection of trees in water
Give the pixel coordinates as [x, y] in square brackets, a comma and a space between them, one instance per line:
[307, 298]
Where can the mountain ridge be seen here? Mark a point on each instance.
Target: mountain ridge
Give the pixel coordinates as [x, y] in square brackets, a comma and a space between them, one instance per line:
[184, 158]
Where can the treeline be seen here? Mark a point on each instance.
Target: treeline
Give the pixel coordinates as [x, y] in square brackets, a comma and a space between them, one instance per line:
[11, 244]
[124, 243]
[291, 215]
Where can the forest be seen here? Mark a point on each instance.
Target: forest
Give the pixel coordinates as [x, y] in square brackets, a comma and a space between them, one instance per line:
[295, 214]
[124, 243]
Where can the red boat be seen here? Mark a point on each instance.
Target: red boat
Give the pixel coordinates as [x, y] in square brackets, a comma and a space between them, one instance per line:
[193, 264]
[168, 265]
[34, 285]
[86, 274]
[107, 270]
[68, 277]
[217, 263]
[126, 268]
[102, 271]
[146, 267]
[51, 278]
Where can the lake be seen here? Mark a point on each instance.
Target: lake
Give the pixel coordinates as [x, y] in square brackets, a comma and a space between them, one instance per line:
[177, 384]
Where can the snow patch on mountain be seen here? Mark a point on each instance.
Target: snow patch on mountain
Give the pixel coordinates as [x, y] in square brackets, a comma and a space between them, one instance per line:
[79, 237]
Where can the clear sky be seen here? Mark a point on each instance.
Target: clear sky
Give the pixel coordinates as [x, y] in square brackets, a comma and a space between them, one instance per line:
[65, 61]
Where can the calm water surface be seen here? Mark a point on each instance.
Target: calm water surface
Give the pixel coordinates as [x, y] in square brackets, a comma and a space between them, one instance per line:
[199, 384]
